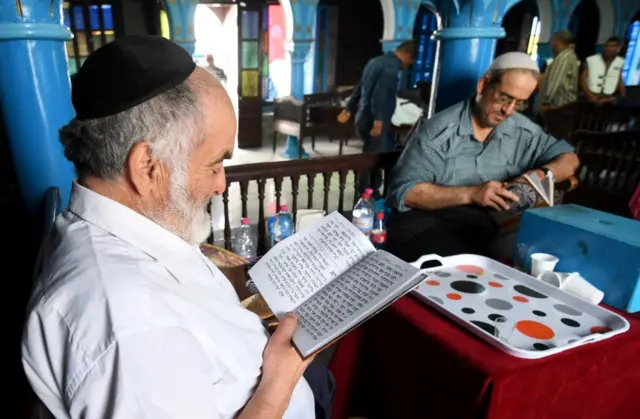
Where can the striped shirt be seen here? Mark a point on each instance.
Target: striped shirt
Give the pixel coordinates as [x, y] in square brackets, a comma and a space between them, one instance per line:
[445, 152]
[560, 85]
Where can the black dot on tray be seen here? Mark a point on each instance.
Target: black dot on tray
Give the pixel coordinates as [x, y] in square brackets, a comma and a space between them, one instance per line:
[539, 313]
[468, 287]
[471, 276]
[485, 326]
[504, 278]
[468, 310]
[540, 346]
[442, 274]
[570, 322]
[528, 292]
[493, 317]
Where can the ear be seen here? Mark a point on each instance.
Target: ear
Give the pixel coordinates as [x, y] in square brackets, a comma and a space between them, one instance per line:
[482, 84]
[144, 170]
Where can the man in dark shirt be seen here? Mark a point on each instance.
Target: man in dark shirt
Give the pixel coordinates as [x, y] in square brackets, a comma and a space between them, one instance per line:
[376, 94]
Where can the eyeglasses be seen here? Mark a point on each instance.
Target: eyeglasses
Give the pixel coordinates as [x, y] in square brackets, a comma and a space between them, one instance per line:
[508, 100]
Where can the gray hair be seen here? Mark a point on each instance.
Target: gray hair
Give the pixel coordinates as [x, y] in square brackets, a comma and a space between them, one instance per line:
[171, 122]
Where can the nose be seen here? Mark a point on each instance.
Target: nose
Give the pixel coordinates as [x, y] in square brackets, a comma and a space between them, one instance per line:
[220, 183]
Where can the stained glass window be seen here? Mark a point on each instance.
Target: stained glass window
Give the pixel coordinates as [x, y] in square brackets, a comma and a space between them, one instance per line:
[425, 25]
[99, 32]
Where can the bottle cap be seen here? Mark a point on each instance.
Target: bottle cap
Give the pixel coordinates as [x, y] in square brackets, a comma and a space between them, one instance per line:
[366, 195]
[284, 208]
[380, 215]
[245, 221]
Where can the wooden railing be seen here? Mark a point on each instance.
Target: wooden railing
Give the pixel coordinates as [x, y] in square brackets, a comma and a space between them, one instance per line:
[295, 170]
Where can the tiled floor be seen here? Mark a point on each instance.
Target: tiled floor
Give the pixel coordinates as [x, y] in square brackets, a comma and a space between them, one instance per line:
[265, 154]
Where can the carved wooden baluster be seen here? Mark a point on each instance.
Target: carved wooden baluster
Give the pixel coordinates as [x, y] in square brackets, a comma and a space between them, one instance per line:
[327, 187]
[227, 225]
[261, 224]
[244, 195]
[278, 185]
[210, 239]
[295, 184]
[356, 194]
[341, 186]
[311, 178]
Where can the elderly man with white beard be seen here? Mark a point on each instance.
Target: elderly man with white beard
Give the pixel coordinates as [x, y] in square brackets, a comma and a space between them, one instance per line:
[128, 319]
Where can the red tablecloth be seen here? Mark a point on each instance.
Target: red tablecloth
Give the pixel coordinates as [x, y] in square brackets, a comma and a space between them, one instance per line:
[411, 362]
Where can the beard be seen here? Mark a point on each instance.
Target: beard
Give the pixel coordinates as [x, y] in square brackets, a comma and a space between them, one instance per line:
[185, 217]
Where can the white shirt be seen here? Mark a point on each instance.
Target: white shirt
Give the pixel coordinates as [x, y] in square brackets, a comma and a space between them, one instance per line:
[127, 320]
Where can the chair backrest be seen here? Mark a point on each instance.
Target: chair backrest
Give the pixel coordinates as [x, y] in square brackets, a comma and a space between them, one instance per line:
[565, 121]
[609, 170]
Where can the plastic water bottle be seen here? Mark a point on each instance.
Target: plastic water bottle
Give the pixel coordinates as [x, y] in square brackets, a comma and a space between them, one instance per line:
[283, 225]
[363, 213]
[379, 232]
[245, 244]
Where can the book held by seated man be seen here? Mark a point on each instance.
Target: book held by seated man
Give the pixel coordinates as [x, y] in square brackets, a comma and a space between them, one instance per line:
[333, 278]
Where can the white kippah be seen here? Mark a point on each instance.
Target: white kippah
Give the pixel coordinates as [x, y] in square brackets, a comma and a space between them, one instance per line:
[514, 60]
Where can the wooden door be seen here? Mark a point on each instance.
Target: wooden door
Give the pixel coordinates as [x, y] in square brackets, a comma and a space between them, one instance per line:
[250, 63]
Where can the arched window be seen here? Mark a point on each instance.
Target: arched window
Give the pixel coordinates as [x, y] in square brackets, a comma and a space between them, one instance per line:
[423, 29]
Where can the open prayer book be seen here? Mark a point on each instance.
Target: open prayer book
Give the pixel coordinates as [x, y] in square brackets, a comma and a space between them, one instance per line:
[532, 190]
[333, 278]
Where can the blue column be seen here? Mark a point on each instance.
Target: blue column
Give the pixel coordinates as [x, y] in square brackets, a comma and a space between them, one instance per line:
[35, 95]
[181, 14]
[299, 56]
[467, 46]
[544, 53]
[465, 55]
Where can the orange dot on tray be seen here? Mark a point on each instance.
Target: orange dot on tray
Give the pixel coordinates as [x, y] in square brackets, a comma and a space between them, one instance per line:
[535, 330]
[600, 329]
[520, 299]
[495, 284]
[470, 269]
[432, 282]
[453, 296]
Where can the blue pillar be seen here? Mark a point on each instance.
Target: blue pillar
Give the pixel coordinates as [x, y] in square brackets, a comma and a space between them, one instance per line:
[299, 56]
[465, 55]
[181, 14]
[35, 96]
[544, 53]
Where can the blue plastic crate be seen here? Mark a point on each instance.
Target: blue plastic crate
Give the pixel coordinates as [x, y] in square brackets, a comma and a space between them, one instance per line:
[603, 248]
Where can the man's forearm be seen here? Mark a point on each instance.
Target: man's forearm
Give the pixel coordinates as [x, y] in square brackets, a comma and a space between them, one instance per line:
[564, 166]
[268, 402]
[427, 196]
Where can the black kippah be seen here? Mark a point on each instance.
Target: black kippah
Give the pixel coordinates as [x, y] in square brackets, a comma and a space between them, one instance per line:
[126, 72]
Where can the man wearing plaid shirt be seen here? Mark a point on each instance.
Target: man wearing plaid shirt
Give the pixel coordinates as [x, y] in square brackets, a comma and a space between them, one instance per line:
[560, 84]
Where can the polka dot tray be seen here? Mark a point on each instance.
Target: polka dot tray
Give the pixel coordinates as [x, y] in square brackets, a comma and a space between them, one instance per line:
[511, 310]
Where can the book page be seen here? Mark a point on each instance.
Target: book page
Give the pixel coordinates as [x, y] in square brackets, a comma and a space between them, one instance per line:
[543, 187]
[353, 297]
[305, 262]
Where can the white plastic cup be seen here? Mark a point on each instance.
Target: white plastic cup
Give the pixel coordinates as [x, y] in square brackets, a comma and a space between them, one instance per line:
[542, 262]
[574, 284]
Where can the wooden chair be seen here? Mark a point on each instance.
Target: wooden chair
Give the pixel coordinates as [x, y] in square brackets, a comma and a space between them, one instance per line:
[609, 172]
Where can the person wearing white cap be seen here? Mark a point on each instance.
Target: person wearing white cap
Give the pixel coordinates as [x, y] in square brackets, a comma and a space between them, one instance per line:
[455, 166]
